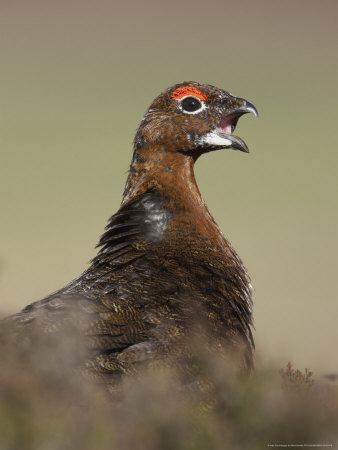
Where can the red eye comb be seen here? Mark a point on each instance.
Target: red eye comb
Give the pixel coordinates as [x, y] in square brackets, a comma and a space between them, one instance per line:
[188, 90]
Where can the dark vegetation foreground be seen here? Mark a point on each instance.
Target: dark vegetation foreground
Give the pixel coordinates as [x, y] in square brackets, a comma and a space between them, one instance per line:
[46, 405]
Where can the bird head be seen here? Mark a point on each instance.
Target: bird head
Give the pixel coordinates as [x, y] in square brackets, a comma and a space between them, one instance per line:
[193, 118]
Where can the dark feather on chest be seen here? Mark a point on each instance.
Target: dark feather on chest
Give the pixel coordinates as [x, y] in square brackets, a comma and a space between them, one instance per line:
[145, 219]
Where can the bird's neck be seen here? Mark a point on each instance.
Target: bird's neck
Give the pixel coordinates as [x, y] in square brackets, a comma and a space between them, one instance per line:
[172, 176]
[170, 173]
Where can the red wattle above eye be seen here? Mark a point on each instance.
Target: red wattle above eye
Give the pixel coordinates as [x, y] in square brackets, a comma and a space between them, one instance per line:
[188, 90]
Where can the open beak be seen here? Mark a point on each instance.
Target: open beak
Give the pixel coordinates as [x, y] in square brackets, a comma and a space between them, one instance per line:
[228, 123]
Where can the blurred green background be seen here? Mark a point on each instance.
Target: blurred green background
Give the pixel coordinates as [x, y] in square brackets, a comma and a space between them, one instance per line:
[76, 78]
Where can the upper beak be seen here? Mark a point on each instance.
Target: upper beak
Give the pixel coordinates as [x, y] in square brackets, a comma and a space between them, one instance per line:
[248, 107]
[228, 124]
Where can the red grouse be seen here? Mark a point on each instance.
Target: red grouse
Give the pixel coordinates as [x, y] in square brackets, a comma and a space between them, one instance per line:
[164, 272]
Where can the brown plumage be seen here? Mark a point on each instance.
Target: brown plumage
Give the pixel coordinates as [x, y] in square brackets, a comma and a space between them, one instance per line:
[164, 274]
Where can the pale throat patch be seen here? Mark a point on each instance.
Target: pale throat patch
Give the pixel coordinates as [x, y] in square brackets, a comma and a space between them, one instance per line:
[214, 138]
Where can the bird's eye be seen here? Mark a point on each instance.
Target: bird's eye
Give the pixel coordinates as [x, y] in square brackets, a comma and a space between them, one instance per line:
[191, 104]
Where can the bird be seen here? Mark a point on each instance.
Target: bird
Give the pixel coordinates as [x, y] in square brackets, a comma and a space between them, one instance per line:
[164, 273]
